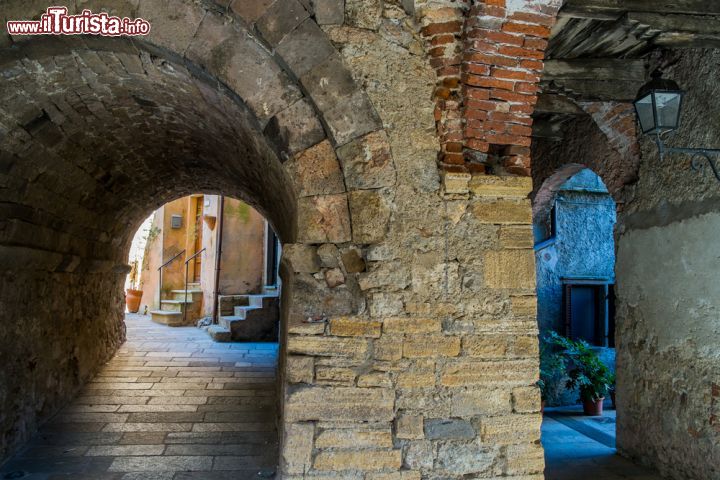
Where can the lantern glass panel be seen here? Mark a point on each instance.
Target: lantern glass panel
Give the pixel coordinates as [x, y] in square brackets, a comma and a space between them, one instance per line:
[668, 109]
[645, 113]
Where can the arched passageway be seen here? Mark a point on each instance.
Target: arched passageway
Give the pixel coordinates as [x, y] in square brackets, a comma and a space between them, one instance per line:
[99, 132]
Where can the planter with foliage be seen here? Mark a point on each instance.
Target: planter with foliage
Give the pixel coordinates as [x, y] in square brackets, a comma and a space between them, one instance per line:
[586, 372]
[133, 295]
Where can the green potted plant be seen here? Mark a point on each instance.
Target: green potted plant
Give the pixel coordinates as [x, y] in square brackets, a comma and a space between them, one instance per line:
[586, 373]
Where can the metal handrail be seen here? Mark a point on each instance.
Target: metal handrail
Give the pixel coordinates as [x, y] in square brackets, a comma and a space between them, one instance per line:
[187, 262]
[160, 273]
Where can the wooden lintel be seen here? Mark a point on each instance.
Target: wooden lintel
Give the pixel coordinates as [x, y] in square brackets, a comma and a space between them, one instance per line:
[691, 7]
[595, 69]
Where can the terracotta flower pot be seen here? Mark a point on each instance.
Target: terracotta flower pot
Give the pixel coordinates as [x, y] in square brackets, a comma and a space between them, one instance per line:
[132, 300]
[593, 408]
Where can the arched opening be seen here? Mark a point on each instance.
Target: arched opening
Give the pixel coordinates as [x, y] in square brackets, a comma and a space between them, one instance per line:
[97, 133]
[574, 220]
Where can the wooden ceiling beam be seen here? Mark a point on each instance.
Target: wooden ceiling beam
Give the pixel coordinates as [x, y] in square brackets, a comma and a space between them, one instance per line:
[595, 69]
[608, 7]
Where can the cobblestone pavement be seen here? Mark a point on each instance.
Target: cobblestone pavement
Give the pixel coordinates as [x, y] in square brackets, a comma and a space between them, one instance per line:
[582, 448]
[171, 405]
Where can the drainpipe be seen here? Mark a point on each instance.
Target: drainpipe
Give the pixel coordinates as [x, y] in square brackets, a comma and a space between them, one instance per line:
[218, 255]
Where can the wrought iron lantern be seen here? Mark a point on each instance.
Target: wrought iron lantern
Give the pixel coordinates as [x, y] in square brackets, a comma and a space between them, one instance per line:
[658, 106]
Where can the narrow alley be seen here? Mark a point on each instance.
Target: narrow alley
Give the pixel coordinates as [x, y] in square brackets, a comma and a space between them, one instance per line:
[170, 405]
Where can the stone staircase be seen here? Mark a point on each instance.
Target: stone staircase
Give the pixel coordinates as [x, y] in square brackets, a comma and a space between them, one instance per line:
[247, 318]
[171, 310]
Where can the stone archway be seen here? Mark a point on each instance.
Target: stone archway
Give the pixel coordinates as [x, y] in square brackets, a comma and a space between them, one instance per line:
[98, 132]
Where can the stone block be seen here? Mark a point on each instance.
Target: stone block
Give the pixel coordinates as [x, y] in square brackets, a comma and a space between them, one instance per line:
[243, 64]
[487, 346]
[503, 212]
[456, 182]
[281, 18]
[527, 346]
[335, 376]
[334, 277]
[411, 325]
[250, 11]
[352, 438]
[329, 255]
[316, 171]
[340, 404]
[523, 305]
[323, 219]
[526, 399]
[509, 429]
[383, 304]
[329, 12]
[353, 261]
[388, 348]
[511, 269]
[472, 373]
[431, 346]
[516, 237]
[362, 460]
[355, 327]
[306, 328]
[416, 379]
[419, 455]
[300, 369]
[305, 47]
[374, 379]
[486, 402]
[367, 162]
[409, 427]
[352, 118]
[302, 258]
[527, 461]
[465, 459]
[329, 83]
[297, 447]
[448, 429]
[402, 475]
[370, 214]
[172, 32]
[295, 129]
[328, 346]
[390, 275]
[363, 13]
[500, 187]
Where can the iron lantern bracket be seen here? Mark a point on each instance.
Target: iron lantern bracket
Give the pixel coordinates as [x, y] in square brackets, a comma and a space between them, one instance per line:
[697, 155]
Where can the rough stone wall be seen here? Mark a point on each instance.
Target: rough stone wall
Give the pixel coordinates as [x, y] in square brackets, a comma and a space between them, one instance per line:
[425, 364]
[56, 331]
[421, 360]
[668, 328]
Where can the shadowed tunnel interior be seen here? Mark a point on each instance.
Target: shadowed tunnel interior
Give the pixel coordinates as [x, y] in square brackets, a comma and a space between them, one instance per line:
[94, 138]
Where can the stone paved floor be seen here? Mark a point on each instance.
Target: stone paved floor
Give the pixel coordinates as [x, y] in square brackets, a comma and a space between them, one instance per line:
[171, 405]
[583, 448]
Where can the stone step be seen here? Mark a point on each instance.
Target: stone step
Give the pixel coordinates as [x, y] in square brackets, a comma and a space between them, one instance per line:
[219, 333]
[166, 317]
[175, 305]
[194, 294]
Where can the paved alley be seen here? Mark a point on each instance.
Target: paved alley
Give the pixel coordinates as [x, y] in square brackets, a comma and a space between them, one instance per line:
[171, 405]
[583, 448]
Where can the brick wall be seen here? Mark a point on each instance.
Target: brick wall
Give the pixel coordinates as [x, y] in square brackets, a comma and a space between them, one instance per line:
[488, 65]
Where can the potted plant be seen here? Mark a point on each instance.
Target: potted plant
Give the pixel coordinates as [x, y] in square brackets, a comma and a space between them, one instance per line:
[587, 373]
[553, 364]
[133, 295]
